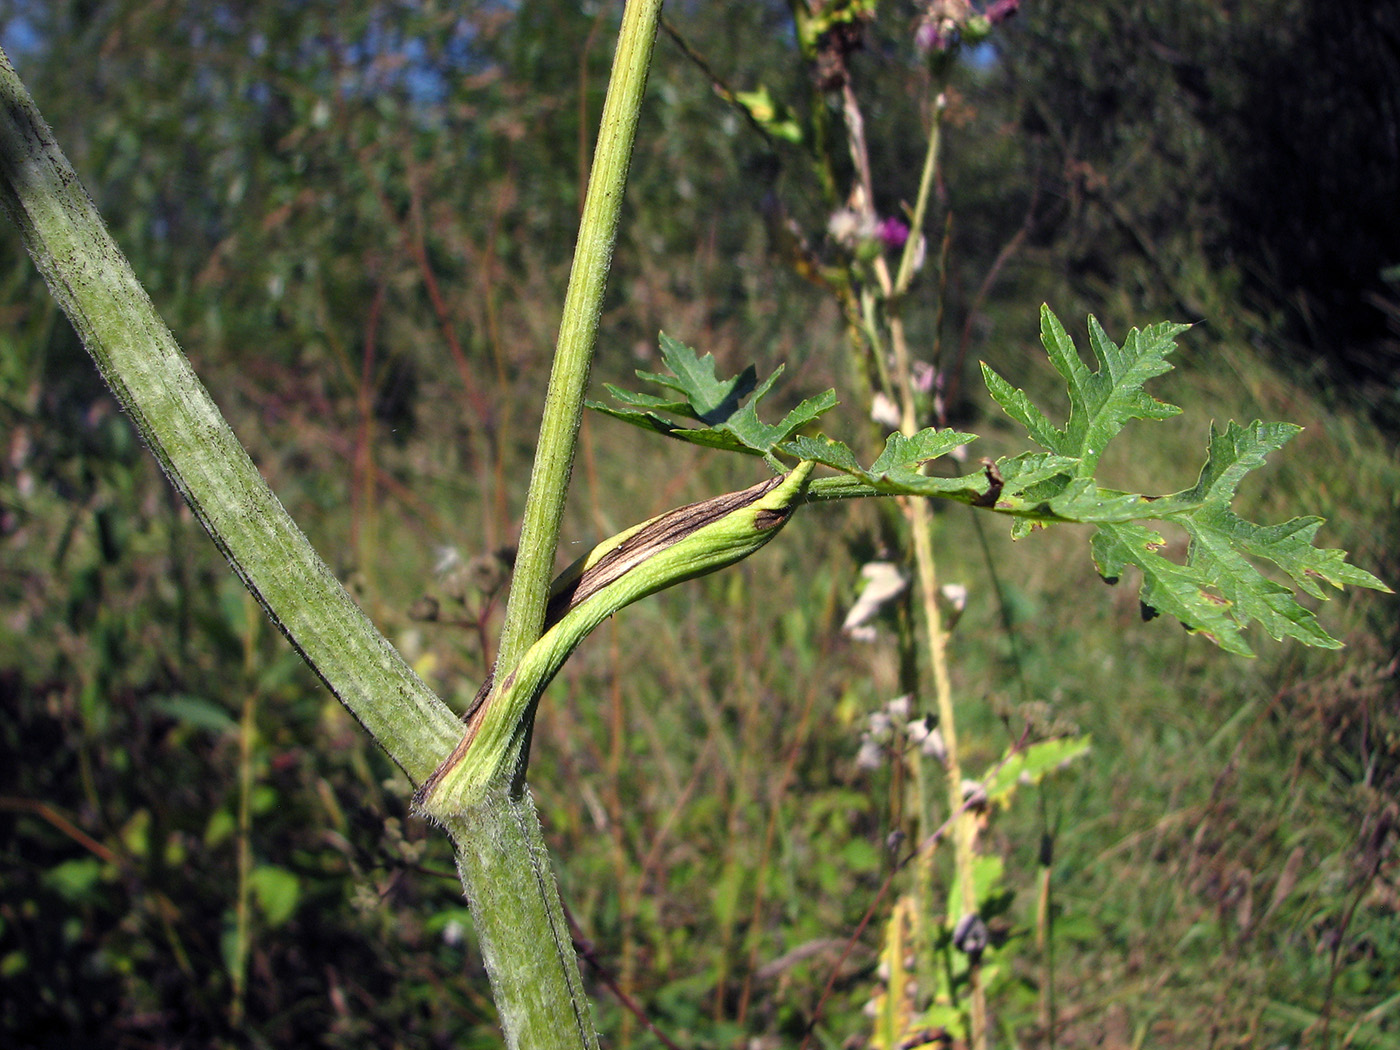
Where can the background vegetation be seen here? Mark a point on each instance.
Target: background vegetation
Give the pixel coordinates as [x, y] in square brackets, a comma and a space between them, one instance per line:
[358, 220]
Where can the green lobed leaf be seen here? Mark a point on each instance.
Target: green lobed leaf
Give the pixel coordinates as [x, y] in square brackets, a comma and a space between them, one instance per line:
[713, 400]
[1018, 406]
[1289, 545]
[727, 420]
[898, 462]
[705, 436]
[1218, 591]
[1222, 542]
[1102, 402]
[904, 455]
[822, 449]
[1233, 453]
[649, 401]
[896, 470]
[1166, 586]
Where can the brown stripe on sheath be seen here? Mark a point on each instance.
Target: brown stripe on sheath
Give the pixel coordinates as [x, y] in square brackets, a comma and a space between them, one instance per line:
[768, 520]
[469, 716]
[656, 535]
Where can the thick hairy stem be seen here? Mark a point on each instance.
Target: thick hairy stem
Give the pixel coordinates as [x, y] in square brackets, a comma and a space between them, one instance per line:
[139, 359]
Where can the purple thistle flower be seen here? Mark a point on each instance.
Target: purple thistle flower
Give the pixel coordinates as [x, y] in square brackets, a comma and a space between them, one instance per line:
[946, 23]
[892, 233]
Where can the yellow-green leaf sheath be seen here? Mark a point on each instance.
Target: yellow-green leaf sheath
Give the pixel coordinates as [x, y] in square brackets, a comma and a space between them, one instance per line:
[678, 545]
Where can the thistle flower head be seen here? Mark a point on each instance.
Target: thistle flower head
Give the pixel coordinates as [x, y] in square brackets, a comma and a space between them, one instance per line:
[892, 233]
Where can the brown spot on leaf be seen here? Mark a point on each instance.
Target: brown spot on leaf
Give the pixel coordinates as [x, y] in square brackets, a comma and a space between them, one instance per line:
[994, 485]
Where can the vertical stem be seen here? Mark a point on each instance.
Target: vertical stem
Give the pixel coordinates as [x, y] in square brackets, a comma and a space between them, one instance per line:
[964, 830]
[921, 523]
[916, 222]
[578, 329]
[239, 963]
[247, 739]
[1044, 932]
[501, 854]
[364, 520]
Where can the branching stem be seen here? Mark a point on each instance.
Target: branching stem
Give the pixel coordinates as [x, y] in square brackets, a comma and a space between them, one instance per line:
[500, 847]
[919, 515]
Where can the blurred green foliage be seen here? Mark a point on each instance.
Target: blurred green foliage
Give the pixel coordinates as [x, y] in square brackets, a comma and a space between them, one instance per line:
[359, 221]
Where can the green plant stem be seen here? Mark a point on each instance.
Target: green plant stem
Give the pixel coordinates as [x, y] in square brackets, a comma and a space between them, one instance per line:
[238, 965]
[501, 854]
[905, 275]
[247, 738]
[964, 830]
[825, 170]
[500, 850]
[920, 519]
[141, 362]
[520, 923]
[921, 527]
[578, 329]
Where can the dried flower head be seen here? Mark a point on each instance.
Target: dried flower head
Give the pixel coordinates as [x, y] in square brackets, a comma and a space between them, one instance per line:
[871, 755]
[848, 228]
[884, 411]
[884, 583]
